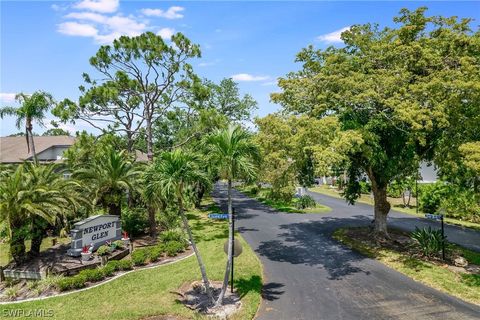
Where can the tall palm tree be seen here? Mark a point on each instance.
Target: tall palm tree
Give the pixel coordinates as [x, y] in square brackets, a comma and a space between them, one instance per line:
[33, 108]
[234, 153]
[111, 176]
[66, 195]
[24, 197]
[170, 175]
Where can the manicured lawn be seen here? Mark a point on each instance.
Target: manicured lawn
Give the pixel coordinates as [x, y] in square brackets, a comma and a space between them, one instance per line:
[149, 292]
[281, 206]
[396, 205]
[465, 286]
[46, 244]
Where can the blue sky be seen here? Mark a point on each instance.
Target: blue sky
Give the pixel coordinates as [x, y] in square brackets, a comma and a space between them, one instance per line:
[46, 45]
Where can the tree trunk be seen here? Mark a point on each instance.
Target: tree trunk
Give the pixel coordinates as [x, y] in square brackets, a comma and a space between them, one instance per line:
[151, 221]
[31, 143]
[149, 139]
[17, 245]
[381, 209]
[115, 209]
[206, 283]
[39, 229]
[230, 242]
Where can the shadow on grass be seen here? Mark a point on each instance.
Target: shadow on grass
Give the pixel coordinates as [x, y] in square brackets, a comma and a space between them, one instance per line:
[269, 291]
[471, 280]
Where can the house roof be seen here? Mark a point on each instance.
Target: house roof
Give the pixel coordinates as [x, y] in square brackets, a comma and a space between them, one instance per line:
[14, 149]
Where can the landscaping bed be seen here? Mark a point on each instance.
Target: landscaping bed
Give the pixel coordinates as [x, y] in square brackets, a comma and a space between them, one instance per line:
[91, 272]
[150, 293]
[293, 206]
[457, 275]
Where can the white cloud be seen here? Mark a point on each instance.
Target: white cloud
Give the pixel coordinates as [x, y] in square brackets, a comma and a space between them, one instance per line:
[170, 13]
[111, 27]
[7, 97]
[332, 37]
[248, 77]
[104, 6]
[166, 33]
[77, 29]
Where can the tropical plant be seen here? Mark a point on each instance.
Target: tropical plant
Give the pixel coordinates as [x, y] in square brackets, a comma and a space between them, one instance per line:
[110, 177]
[429, 241]
[170, 175]
[305, 202]
[32, 197]
[33, 108]
[234, 153]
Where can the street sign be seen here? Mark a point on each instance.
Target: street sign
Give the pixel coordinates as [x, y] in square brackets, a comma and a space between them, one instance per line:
[237, 248]
[218, 215]
[433, 216]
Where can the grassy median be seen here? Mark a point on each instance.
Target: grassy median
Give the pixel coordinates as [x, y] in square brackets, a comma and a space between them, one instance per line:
[435, 273]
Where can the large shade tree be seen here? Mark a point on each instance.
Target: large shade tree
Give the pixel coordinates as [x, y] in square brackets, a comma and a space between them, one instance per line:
[399, 89]
[233, 152]
[170, 176]
[33, 108]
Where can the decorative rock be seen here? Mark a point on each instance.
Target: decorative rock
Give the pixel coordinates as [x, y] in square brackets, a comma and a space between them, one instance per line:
[460, 262]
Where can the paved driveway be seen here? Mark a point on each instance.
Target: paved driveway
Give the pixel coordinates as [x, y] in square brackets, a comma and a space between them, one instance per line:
[310, 276]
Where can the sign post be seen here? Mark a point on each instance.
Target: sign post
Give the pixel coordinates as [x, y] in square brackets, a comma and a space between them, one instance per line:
[439, 217]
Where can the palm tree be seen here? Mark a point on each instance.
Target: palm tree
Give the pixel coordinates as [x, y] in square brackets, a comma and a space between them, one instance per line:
[111, 176]
[235, 154]
[65, 195]
[25, 197]
[33, 108]
[171, 175]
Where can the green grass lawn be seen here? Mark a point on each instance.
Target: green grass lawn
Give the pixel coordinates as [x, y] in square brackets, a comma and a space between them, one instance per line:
[149, 292]
[46, 244]
[396, 205]
[462, 285]
[279, 205]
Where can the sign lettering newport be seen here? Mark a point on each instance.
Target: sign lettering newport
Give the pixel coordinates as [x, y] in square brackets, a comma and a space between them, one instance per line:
[433, 216]
[97, 230]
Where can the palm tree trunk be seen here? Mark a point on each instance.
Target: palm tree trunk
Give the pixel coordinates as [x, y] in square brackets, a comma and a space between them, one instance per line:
[203, 271]
[39, 228]
[151, 221]
[31, 143]
[17, 244]
[230, 244]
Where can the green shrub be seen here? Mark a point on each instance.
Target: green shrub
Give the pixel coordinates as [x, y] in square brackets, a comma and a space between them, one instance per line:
[119, 244]
[429, 241]
[172, 248]
[108, 270]
[134, 221]
[156, 252]
[11, 293]
[254, 190]
[124, 265]
[172, 235]
[140, 256]
[431, 196]
[92, 275]
[74, 282]
[103, 250]
[284, 194]
[305, 202]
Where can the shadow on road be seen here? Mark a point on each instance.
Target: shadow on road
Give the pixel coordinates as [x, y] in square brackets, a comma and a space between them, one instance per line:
[269, 291]
[310, 243]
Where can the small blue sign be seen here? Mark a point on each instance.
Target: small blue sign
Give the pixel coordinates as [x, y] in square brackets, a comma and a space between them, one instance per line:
[433, 216]
[218, 215]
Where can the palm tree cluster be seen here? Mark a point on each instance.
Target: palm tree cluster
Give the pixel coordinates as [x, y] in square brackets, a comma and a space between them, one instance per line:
[35, 197]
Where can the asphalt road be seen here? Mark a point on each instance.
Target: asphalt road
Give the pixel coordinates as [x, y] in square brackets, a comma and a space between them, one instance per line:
[308, 275]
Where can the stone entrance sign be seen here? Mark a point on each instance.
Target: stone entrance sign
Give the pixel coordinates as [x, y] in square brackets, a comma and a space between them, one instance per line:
[95, 229]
